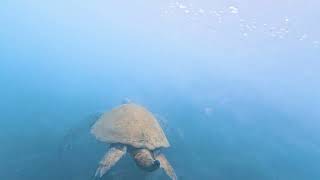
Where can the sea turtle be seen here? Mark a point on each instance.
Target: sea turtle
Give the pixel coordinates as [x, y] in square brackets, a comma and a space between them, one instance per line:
[131, 128]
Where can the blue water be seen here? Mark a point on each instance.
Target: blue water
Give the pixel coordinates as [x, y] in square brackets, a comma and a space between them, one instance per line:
[234, 84]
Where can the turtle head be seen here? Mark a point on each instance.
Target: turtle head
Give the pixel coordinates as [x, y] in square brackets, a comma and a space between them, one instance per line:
[145, 160]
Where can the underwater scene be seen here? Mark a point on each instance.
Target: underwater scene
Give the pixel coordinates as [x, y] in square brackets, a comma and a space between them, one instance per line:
[159, 90]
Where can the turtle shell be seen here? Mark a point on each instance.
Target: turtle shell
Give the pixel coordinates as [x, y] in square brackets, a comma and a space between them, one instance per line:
[130, 124]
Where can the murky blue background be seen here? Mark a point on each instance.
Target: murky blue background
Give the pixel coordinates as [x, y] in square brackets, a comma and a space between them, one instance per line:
[235, 85]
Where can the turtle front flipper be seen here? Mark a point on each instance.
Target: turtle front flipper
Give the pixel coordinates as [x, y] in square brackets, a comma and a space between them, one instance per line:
[165, 165]
[113, 155]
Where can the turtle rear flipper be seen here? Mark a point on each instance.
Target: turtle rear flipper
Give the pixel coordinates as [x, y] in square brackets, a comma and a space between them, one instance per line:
[165, 165]
[113, 155]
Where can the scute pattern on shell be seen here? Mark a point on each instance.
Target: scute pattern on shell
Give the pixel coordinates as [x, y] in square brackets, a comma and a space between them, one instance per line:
[130, 124]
